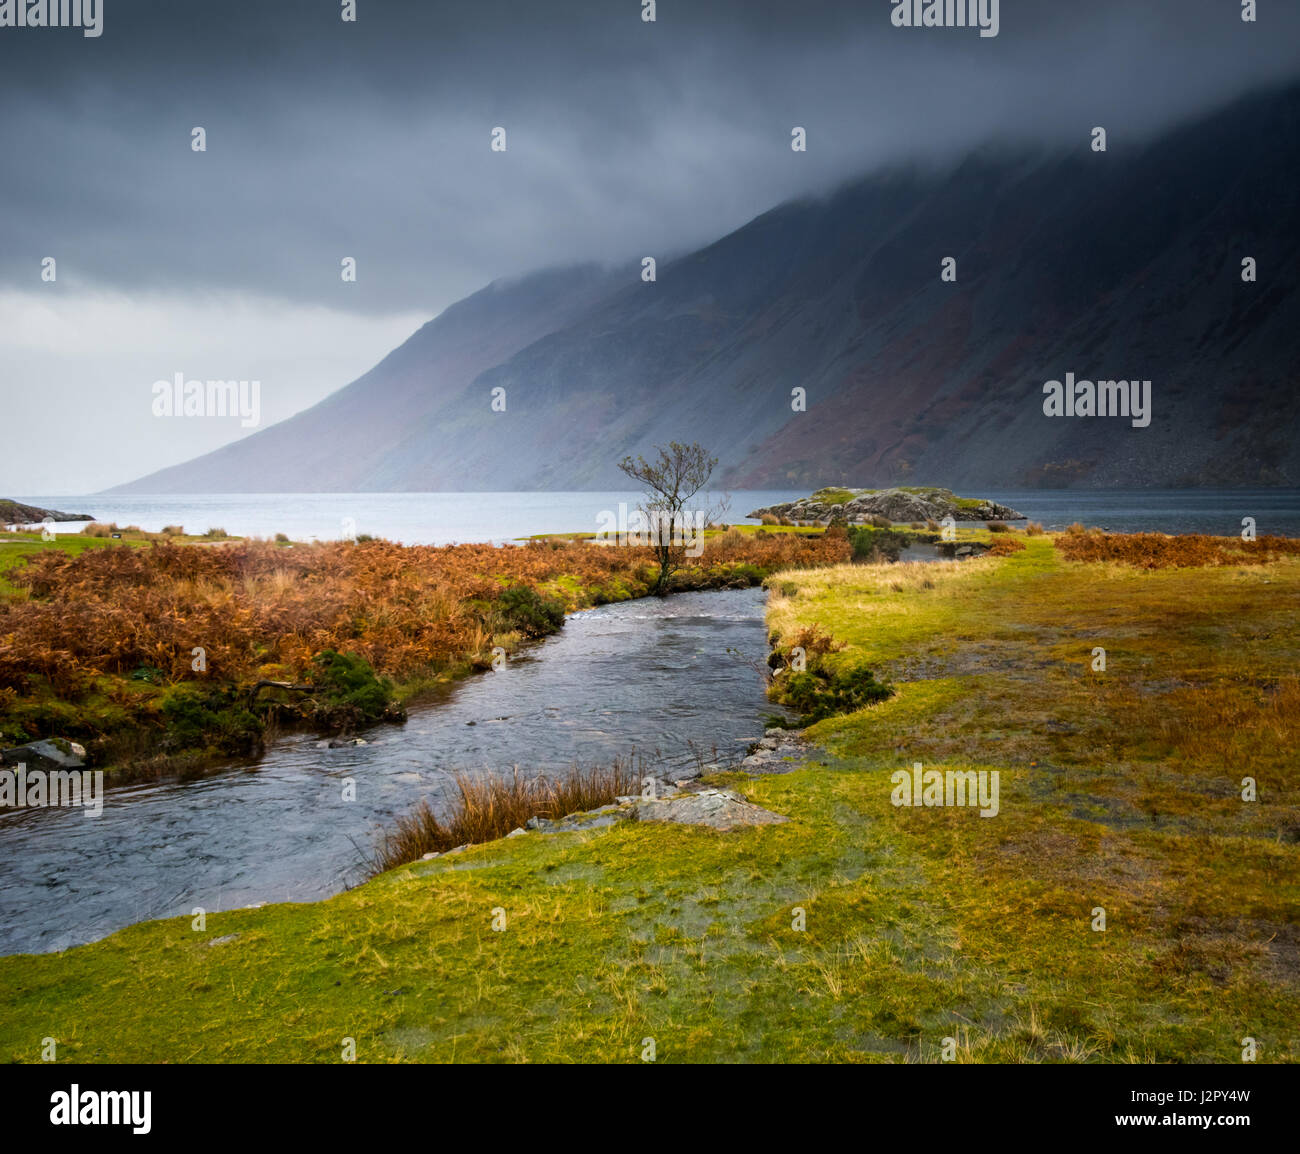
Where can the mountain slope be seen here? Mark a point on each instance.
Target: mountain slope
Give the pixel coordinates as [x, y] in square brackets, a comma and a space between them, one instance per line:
[1119, 265]
[353, 440]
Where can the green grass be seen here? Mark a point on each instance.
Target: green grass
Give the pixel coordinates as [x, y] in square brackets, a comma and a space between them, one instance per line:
[678, 934]
[708, 534]
[930, 493]
[834, 496]
[15, 548]
[804, 530]
[841, 496]
[1118, 789]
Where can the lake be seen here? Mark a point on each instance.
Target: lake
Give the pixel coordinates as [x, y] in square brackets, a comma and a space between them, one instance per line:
[442, 518]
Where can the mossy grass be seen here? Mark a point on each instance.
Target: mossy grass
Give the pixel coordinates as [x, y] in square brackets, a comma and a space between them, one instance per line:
[707, 534]
[840, 496]
[1120, 789]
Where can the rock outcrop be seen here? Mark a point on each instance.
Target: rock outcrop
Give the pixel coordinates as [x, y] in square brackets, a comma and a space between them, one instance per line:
[16, 513]
[45, 755]
[719, 809]
[902, 506]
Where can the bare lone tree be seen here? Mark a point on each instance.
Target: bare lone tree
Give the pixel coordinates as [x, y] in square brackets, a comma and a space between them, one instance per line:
[672, 481]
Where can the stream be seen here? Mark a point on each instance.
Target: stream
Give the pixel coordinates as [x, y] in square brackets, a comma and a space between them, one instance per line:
[651, 678]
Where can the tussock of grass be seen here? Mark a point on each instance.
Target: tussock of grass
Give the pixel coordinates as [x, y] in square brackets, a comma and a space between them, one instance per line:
[489, 807]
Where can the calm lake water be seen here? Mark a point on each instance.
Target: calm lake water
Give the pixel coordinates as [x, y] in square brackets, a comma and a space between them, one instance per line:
[411, 518]
[441, 518]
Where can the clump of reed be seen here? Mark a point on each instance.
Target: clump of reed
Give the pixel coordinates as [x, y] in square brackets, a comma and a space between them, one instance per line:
[490, 806]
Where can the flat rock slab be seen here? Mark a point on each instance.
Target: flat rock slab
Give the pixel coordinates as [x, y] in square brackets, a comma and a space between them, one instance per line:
[780, 751]
[718, 809]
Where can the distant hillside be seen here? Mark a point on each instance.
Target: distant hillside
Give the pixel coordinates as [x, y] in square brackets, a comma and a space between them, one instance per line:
[1122, 265]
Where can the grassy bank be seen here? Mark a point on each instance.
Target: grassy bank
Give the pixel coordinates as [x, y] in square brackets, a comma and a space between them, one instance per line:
[1120, 789]
[161, 654]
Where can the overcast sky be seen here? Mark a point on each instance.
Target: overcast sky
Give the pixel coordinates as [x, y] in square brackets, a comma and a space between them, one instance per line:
[371, 139]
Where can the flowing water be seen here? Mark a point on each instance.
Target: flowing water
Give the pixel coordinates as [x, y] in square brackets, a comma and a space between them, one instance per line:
[651, 677]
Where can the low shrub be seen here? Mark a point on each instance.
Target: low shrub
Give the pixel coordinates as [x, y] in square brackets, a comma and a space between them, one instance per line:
[872, 544]
[1005, 546]
[531, 613]
[350, 693]
[819, 693]
[197, 716]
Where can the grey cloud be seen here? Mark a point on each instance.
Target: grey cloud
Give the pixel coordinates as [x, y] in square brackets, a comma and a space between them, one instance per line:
[370, 140]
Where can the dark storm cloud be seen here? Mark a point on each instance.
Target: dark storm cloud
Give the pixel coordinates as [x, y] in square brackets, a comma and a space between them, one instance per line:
[329, 139]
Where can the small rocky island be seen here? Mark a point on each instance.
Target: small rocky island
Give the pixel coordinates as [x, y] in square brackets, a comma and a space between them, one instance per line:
[16, 513]
[903, 505]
